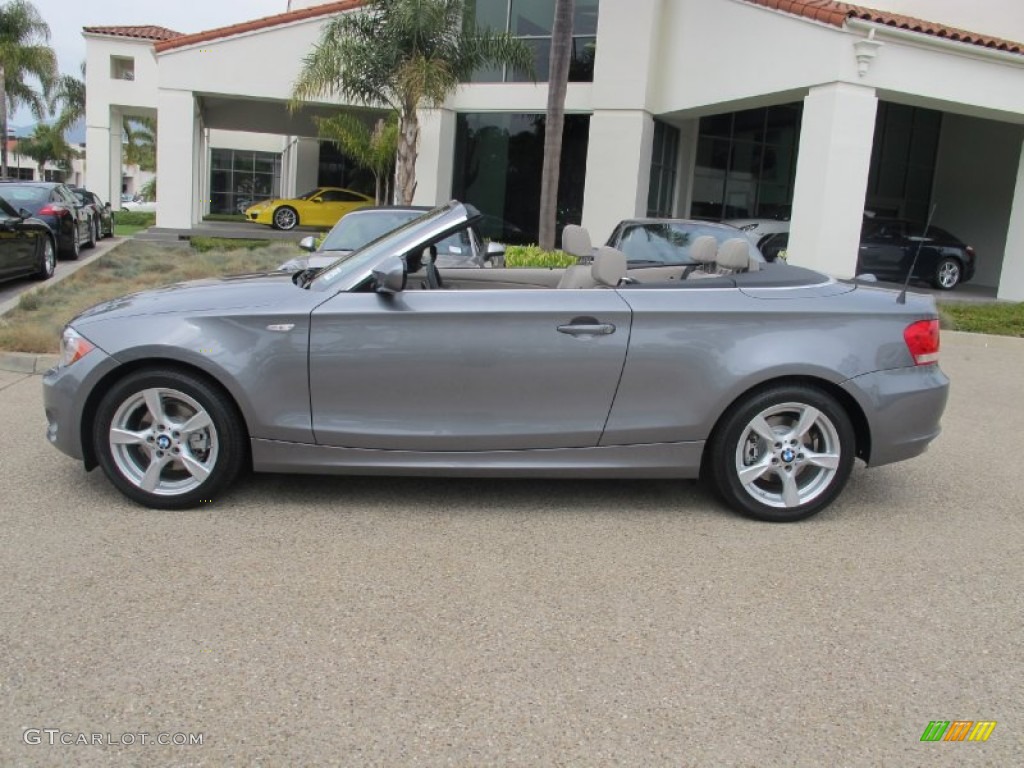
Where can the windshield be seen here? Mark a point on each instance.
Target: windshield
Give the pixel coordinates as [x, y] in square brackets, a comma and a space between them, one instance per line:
[394, 242]
[666, 242]
[357, 229]
[18, 195]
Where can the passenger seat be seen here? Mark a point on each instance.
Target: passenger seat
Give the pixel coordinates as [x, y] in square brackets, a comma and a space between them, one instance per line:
[705, 252]
[734, 256]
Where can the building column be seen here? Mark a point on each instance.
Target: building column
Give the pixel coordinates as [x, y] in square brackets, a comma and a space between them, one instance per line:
[832, 168]
[307, 166]
[435, 162]
[103, 148]
[177, 159]
[1011, 278]
[618, 169]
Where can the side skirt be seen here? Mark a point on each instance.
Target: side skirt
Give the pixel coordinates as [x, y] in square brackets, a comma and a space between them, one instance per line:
[655, 460]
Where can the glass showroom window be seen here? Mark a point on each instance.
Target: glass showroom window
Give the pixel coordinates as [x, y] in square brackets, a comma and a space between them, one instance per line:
[532, 20]
[240, 178]
[661, 195]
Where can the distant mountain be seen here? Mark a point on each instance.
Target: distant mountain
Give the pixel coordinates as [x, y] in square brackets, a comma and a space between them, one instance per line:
[75, 134]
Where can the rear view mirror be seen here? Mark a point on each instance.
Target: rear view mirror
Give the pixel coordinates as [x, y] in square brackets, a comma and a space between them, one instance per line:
[308, 243]
[389, 276]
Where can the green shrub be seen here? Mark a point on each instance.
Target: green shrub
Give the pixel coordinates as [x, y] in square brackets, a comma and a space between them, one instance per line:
[135, 218]
[534, 256]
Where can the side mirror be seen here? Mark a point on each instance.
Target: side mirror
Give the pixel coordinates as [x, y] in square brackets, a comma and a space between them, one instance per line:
[389, 276]
[866, 277]
[495, 254]
[107, 206]
[308, 243]
[25, 213]
[317, 200]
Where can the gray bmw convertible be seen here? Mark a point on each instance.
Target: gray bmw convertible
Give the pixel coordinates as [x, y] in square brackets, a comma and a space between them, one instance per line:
[766, 380]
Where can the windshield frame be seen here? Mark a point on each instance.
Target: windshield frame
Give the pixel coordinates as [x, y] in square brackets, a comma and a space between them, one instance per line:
[353, 269]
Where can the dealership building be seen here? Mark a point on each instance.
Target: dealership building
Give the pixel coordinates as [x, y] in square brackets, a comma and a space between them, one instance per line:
[711, 109]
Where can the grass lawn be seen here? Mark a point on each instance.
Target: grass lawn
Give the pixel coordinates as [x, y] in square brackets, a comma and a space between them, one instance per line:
[204, 244]
[127, 230]
[1001, 319]
[36, 323]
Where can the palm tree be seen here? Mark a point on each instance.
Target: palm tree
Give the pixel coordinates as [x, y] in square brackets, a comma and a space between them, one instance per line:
[140, 142]
[558, 79]
[46, 145]
[69, 95]
[373, 149]
[23, 54]
[404, 54]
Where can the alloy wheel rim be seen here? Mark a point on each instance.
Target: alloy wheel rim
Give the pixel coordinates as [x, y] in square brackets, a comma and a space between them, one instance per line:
[788, 455]
[949, 274]
[49, 257]
[163, 441]
[285, 219]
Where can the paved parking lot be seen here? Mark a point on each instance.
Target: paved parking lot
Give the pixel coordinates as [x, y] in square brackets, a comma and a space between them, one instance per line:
[11, 291]
[303, 621]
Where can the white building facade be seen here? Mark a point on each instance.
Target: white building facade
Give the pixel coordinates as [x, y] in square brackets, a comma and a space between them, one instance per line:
[684, 108]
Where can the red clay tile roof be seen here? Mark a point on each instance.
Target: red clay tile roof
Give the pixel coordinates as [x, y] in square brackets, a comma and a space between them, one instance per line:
[256, 24]
[836, 14]
[141, 33]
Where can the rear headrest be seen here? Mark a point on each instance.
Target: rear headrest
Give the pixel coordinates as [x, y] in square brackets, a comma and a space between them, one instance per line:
[576, 240]
[609, 266]
[704, 250]
[734, 254]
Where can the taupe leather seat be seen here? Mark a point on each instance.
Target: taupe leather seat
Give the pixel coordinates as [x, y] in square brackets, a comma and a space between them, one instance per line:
[734, 256]
[705, 252]
[576, 242]
[609, 267]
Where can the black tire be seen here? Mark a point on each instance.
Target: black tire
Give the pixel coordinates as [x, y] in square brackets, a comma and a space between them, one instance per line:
[76, 245]
[830, 438]
[47, 254]
[93, 234]
[285, 217]
[226, 442]
[948, 274]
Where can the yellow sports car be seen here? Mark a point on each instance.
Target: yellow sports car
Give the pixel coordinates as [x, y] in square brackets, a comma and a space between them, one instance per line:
[320, 208]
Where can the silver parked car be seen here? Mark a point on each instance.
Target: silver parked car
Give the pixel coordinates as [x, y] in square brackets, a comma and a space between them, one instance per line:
[767, 380]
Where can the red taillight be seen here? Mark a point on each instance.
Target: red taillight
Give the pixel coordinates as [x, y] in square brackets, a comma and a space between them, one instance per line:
[52, 210]
[922, 340]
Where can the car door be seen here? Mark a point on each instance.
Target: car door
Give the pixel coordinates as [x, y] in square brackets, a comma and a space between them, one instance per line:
[881, 248]
[17, 248]
[470, 370]
[79, 211]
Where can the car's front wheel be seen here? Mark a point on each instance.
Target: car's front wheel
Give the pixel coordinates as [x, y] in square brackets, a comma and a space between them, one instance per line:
[948, 274]
[782, 454]
[286, 218]
[168, 439]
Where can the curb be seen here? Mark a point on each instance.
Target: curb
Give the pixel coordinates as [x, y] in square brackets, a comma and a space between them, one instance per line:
[27, 362]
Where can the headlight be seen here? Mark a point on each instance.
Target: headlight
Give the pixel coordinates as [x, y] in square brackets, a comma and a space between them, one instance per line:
[73, 347]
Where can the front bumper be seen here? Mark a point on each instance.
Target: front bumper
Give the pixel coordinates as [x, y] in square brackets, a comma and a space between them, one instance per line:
[65, 394]
[903, 407]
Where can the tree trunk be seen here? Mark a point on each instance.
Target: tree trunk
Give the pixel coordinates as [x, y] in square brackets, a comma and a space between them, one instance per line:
[408, 143]
[558, 80]
[3, 121]
[376, 191]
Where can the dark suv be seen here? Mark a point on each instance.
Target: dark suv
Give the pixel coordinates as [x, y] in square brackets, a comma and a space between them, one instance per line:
[888, 247]
[57, 206]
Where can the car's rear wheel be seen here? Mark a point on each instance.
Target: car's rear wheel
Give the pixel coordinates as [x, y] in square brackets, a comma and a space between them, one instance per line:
[168, 439]
[76, 244]
[93, 234]
[782, 454]
[948, 274]
[47, 258]
[286, 217]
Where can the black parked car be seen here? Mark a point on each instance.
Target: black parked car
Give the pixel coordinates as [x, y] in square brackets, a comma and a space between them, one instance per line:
[102, 215]
[57, 206]
[26, 246]
[888, 248]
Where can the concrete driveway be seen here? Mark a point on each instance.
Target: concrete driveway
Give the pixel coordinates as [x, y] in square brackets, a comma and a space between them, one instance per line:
[302, 621]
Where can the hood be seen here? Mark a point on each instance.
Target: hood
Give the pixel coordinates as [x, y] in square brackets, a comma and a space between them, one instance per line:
[234, 292]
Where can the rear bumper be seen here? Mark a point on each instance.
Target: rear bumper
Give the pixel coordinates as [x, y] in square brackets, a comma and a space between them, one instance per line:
[903, 407]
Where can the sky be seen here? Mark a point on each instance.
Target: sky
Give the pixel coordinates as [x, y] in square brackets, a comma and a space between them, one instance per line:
[67, 17]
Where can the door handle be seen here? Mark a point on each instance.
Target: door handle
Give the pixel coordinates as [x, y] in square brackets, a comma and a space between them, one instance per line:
[587, 329]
